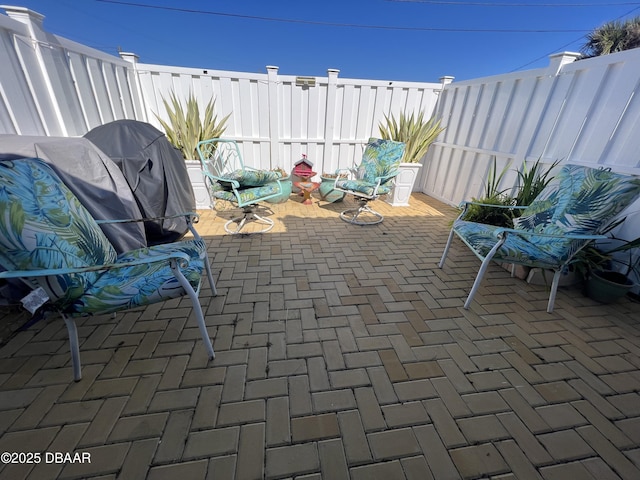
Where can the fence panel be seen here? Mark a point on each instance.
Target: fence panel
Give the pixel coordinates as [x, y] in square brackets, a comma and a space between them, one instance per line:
[18, 109]
[276, 121]
[53, 86]
[575, 111]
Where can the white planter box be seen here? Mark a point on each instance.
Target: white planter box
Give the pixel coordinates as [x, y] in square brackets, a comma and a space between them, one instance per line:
[401, 192]
[197, 182]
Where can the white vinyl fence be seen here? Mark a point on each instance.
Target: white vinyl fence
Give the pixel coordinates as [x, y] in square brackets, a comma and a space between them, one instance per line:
[275, 120]
[584, 112]
[55, 87]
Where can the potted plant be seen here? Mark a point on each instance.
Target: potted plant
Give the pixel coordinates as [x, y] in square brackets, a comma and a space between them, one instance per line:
[185, 128]
[531, 181]
[417, 134]
[287, 186]
[327, 192]
[597, 263]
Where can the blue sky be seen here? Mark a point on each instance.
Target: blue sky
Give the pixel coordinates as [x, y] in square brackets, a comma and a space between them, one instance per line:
[413, 40]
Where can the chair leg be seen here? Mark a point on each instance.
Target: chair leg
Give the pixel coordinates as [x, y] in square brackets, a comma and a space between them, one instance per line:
[207, 263]
[554, 289]
[446, 249]
[197, 308]
[207, 266]
[482, 271]
[74, 347]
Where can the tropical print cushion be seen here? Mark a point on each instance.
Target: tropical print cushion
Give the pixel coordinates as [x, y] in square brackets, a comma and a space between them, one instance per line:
[44, 226]
[131, 286]
[253, 178]
[247, 196]
[363, 186]
[580, 201]
[381, 158]
[516, 249]
[380, 162]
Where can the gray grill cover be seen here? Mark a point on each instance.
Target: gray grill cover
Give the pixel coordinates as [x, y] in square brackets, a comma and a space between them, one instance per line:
[91, 176]
[155, 170]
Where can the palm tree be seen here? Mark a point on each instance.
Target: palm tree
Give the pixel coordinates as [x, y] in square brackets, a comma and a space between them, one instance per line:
[614, 36]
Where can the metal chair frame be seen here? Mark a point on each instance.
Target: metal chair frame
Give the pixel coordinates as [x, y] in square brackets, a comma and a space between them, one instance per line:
[220, 157]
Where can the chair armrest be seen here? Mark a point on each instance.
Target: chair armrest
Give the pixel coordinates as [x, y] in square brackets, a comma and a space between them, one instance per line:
[94, 268]
[388, 177]
[466, 203]
[234, 183]
[216, 178]
[193, 217]
[500, 231]
[344, 173]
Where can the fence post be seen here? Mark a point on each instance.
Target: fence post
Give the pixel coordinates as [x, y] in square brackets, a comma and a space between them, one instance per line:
[444, 81]
[133, 59]
[559, 60]
[274, 114]
[34, 22]
[329, 119]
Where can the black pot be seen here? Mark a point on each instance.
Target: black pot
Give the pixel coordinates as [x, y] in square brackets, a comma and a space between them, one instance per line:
[606, 286]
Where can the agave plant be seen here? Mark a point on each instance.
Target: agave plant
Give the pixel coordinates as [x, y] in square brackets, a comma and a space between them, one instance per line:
[412, 130]
[186, 127]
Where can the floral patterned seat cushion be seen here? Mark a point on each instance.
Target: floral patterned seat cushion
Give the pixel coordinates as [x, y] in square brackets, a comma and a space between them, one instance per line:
[247, 195]
[132, 286]
[381, 158]
[580, 201]
[252, 178]
[363, 186]
[44, 226]
[516, 249]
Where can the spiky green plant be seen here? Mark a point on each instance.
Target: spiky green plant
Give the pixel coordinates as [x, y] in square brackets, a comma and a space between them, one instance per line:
[414, 131]
[485, 213]
[494, 179]
[186, 127]
[531, 181]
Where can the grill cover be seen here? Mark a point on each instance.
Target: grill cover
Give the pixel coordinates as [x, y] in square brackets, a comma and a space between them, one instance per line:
[155, 171]
[92, 176]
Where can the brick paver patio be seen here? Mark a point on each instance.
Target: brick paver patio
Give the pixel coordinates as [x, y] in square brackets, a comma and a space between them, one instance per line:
[342, 352]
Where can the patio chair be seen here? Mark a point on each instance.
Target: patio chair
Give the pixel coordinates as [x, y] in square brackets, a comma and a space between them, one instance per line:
[569, 213]
[228, 178]
[51, 242]
[372, 178]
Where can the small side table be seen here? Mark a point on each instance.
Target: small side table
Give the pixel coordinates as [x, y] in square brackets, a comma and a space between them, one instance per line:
[306, 188]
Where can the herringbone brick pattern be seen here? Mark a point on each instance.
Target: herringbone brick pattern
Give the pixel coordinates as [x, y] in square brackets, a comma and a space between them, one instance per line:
[342, 352]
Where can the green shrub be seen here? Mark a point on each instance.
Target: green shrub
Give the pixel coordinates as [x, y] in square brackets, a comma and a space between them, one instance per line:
[531, 181]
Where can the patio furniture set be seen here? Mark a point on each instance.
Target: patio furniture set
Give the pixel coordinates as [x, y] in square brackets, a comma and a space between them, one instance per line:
[51, 242]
